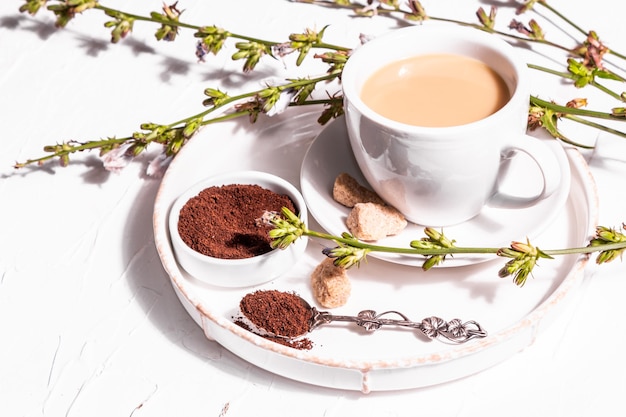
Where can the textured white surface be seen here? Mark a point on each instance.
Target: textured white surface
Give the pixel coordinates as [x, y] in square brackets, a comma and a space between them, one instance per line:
[89, 323]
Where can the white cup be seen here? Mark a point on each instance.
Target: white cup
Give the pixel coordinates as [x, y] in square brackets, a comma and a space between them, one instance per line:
[441, 176]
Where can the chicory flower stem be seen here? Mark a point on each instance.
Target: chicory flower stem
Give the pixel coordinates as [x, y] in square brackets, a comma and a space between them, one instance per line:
[390, 249]
[572, 77]
[586, 249]
[158, 19]
[233, 99]
[147, 18]
[594, 125]
[453, 250]
[570, 110]
[562, 16]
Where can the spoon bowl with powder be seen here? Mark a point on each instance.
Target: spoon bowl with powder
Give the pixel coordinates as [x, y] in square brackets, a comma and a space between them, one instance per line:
[286, 315]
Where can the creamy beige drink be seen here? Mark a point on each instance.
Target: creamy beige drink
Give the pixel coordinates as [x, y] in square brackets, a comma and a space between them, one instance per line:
[435, 90]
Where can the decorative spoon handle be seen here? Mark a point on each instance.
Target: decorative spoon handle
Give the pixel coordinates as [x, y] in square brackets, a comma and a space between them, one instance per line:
[454, 331]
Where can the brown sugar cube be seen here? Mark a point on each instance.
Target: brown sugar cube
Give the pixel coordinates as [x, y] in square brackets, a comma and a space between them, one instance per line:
[331, 285]
[369, 221]
[348, 192]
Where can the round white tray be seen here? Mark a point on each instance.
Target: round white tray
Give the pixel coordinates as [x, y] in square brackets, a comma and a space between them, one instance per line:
[344, 356]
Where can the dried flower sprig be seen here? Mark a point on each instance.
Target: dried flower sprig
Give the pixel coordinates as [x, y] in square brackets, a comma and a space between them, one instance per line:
[610, 244]
[211, 38]
[173, 136]
[546, 115]
[116, 152]
[415, 11]
[583, 71]
[433, 240]
[604, 237]
[524, 258]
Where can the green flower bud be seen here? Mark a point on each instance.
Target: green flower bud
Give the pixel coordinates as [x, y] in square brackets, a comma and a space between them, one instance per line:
[433, 260]
[64, 160]
[424, 244]
[619, 111]
[192, 127]
[32, 6]
[239, 55]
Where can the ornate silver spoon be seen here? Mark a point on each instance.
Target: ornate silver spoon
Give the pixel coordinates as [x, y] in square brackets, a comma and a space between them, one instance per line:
[287, 315]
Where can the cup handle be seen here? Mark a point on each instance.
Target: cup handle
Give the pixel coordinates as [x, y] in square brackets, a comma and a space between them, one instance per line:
[548, 164]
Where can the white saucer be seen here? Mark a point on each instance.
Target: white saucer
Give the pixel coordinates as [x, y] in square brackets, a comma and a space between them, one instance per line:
[330, 154]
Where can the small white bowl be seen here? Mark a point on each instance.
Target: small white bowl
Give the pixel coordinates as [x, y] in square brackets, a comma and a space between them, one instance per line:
[238, 272]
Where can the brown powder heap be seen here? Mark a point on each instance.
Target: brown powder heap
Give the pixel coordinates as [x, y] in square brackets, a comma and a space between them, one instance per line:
[279, 313]
[221, 221]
